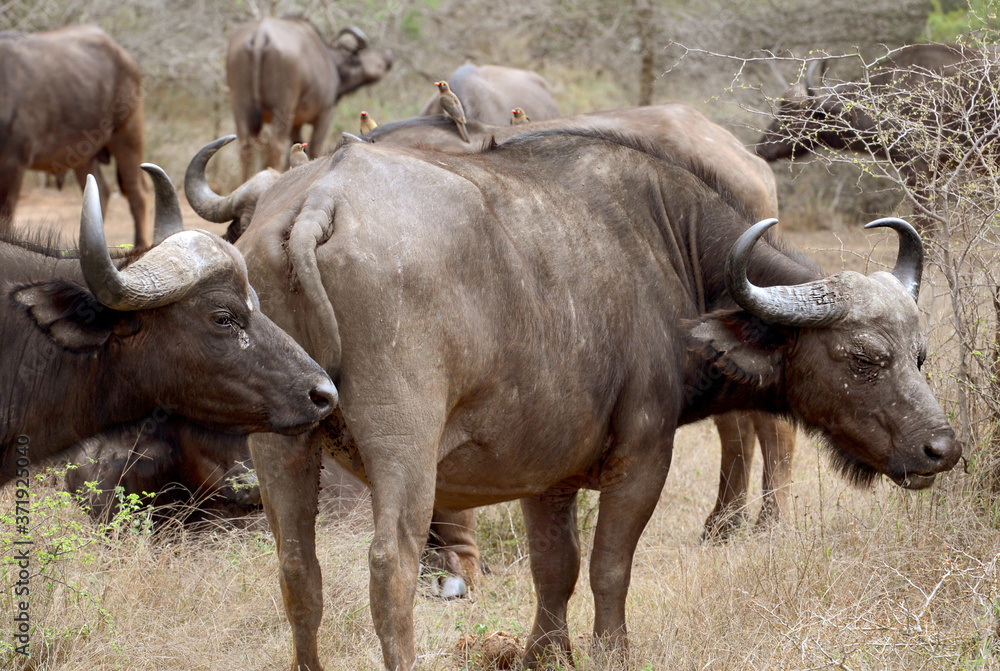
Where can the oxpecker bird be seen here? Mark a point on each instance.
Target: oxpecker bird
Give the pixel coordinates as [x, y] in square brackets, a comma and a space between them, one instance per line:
[518, 117]
[452, 107]
[298, 156]
[367, 123]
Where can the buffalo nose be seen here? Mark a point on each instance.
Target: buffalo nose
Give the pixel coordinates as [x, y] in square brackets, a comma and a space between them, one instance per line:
[943, 450]
[324, 397]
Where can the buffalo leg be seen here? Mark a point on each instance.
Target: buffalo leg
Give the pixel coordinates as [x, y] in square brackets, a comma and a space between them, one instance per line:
[288, 473]
[736, 434]
[92, 168]
[452, 547]
[630, 490]
[246, 156]
[126, 145]
[777, 445]
[400, 458]
[11, 177]
[318, 138]
[554, 549]
[280, 141]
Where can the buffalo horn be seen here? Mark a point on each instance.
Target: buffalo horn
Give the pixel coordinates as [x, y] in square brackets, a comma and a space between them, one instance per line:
[910, 258]
[810, 304]
[167, 218]
[162, 275]
[811, 87]
[209, 205]
[359, 35]
[99, 272]
[215, 208]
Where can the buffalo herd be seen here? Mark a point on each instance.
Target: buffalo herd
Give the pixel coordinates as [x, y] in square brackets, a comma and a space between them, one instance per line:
[452, 324]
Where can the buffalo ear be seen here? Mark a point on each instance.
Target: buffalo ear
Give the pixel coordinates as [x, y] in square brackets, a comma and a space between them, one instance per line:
[744, 348]
[70, 315]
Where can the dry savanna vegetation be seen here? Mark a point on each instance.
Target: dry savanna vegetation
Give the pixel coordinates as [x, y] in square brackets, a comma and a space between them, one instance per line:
[849, 579]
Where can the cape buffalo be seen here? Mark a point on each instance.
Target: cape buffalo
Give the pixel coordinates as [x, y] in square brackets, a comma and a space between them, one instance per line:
[73, 97]
[684, 132]
[281, 71]
[488, 92]
[539, 318]
[910, 86]
[113, 340]
[193, 474]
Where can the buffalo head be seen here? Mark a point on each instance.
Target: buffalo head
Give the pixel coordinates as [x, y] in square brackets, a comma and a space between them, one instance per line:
[178, 327]
[357, 63]
[843, 355]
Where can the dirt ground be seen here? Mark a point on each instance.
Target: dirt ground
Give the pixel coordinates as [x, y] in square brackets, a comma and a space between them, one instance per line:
[40, 206]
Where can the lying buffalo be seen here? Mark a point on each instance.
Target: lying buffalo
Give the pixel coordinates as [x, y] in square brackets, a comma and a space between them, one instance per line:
[193, 474]
[489, 92]
[176, 328]
[488, 346]
[72, 98]
[281, 71]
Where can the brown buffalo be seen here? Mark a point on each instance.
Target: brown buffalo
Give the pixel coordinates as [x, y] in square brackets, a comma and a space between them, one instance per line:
[686, 133]
[539, 318]
[72, 98]
[488, 92]
[282, 72]
[81, 327]
[193, 474]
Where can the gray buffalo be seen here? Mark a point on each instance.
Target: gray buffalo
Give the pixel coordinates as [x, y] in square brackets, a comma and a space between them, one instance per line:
[72, 98]
[686, 133]
[540, 317]
[489, 92]
[281, 71]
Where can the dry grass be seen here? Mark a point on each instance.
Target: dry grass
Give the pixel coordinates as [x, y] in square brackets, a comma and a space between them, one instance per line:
[852, 580]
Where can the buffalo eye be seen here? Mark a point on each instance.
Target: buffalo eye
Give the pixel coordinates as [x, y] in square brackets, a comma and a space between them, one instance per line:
[225, 320]
[863, 366]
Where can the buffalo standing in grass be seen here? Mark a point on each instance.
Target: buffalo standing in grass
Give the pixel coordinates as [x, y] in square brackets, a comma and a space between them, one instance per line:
[72, 97]
[282, 72]
[539, 318]
[682, 131]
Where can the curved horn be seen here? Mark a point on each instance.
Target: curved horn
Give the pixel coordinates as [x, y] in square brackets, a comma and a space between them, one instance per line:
[358, 34]
[99, 272]
[167, 218]
[910, 258]
[209, 205]
[809, 304]
[810, 74]
[212, 207]
[162, 275]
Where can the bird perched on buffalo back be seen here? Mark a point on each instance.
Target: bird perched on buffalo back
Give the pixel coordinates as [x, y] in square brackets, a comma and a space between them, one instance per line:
[367, 123]
[518, 117]
[297, 156]
[452, 107]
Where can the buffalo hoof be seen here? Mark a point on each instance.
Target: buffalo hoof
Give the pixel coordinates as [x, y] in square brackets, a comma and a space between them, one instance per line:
[453, 587]
[722, 527]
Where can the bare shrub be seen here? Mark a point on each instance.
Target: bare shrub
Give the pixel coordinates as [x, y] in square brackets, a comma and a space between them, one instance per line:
[931, 132]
